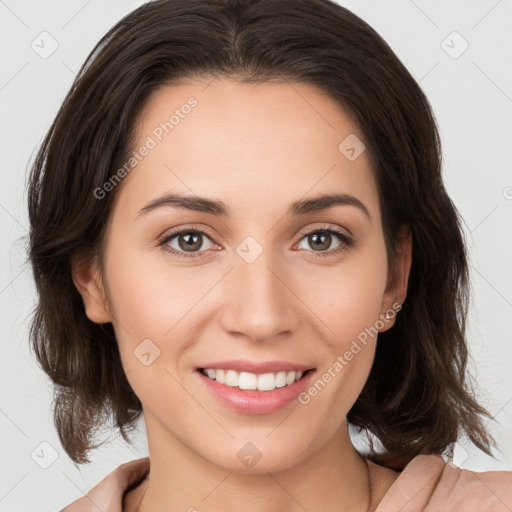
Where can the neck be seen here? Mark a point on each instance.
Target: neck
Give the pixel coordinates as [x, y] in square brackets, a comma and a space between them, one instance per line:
[332, 477]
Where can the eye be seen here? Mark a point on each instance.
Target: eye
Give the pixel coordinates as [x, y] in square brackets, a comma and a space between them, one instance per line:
[186, 243]
[322, 238]
[190, 243]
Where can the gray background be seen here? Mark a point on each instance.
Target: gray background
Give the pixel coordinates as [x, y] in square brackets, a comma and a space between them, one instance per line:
[471, 93]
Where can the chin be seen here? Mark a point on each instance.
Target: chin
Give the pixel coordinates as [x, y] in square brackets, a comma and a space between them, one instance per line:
[258, 456]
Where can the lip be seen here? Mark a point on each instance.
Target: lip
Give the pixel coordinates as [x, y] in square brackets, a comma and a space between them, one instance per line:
[254, 401]
[244, 365]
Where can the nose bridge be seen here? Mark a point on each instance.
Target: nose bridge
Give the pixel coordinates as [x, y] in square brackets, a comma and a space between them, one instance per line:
[259, 301]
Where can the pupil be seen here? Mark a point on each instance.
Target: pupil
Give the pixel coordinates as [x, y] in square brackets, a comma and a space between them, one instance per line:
[191, 242]
[322, 238]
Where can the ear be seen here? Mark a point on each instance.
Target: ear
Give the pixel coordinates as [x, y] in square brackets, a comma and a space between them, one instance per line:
[396, 288]
[87, 279]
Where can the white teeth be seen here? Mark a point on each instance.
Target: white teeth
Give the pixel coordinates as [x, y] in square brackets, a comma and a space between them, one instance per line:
[231, 378]
[280, 379]
[267, 382]
[219, 376]
[247, 380]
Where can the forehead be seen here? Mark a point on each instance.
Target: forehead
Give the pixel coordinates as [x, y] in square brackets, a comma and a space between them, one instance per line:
[246, 144]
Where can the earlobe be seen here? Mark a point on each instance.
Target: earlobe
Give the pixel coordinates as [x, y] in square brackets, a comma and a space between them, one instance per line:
[87, 280]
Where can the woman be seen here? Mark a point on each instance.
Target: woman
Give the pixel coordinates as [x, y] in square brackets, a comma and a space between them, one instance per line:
[239, 228]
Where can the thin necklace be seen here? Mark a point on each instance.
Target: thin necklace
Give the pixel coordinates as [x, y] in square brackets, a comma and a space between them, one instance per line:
[370, 491]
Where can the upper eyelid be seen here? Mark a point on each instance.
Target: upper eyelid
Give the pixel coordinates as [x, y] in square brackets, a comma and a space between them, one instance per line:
[301, 233]
[325, 227]
[172, 233]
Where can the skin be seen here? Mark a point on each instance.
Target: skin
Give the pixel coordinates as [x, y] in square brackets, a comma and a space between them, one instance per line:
[257, 148]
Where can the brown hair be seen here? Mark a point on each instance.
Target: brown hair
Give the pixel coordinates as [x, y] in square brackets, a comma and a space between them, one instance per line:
[417, 399]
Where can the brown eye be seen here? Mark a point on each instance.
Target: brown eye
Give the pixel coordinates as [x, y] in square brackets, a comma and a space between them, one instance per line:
[188, 241]
[321, 240]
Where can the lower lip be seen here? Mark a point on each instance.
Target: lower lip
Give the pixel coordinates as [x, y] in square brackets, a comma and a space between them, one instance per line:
[254, 401]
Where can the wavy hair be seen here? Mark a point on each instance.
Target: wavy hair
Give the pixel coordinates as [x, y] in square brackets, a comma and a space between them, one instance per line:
[418, 398]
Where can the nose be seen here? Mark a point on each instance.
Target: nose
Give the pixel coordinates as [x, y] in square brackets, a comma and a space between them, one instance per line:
[260, 301]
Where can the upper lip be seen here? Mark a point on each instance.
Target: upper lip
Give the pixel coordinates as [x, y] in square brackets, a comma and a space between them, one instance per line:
[244, 365]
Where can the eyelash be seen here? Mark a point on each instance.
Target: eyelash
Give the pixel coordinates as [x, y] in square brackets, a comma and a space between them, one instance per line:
[346, 242]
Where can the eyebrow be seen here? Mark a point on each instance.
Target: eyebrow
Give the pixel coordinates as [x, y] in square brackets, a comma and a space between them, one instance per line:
[218, 208]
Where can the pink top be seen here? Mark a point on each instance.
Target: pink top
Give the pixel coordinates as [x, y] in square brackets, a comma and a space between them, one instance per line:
[427, 484]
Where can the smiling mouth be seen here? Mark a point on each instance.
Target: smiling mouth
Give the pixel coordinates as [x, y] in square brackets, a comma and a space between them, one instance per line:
[251, 381]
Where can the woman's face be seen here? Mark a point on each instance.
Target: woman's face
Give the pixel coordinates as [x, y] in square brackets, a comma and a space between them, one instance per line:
[265, 282]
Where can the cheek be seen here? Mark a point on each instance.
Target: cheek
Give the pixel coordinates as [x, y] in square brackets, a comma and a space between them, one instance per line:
[148, 301]
[149, 295]
[348, 298]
